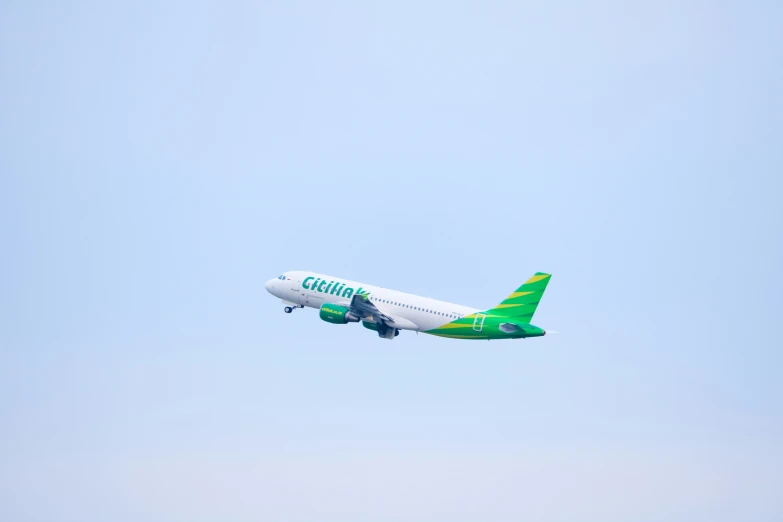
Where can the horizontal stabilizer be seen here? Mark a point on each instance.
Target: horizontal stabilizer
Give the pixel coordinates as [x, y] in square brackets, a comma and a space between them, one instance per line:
[509, 328]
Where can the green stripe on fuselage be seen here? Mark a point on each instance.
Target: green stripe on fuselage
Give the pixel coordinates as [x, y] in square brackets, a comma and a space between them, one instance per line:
[490, 329]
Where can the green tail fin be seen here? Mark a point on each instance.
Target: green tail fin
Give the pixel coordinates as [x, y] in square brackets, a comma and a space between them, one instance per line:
[522, 304]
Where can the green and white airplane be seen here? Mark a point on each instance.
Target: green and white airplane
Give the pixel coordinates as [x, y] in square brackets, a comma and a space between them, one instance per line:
[388, 311]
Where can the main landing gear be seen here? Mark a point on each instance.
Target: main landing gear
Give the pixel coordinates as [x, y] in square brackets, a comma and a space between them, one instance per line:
[387, 332]
[289, 309]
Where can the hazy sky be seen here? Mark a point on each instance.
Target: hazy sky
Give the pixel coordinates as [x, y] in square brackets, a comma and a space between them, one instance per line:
[159, 161]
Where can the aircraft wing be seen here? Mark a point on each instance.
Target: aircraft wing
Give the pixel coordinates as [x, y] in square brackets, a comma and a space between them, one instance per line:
[364, 308]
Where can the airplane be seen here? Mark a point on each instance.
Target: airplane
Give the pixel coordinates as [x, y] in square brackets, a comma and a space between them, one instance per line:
[386, 312]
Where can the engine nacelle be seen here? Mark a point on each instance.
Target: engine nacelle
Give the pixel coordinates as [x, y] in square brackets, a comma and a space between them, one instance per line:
[387, 332]
[370, 326]
[336, 314]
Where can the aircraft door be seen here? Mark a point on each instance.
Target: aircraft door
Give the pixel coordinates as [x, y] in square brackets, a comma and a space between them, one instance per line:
[295, 293]
[478, 322]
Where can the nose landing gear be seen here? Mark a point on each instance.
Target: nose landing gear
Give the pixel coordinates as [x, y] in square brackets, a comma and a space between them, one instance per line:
[289, 309]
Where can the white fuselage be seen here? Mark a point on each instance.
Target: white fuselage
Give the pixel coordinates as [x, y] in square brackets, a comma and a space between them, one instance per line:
[414, 312]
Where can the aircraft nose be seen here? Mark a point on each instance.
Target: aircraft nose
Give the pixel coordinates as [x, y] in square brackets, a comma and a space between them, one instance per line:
[269, 285]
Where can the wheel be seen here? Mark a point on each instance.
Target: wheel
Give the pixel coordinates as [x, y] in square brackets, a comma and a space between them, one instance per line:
[288, 309]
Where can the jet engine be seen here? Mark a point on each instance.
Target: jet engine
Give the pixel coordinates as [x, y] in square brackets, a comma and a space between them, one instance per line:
[387, 332]
[336, 314]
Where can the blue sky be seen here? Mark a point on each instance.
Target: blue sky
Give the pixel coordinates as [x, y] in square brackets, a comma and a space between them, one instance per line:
[160, 161]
